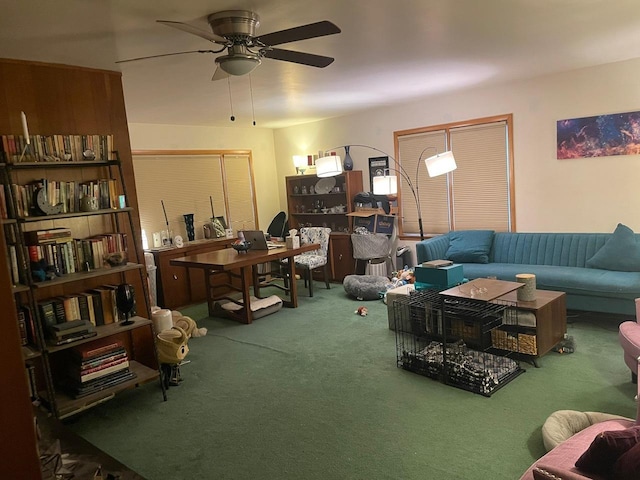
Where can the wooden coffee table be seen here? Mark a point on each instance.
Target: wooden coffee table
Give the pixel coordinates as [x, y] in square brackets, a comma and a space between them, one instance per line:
[550, 309]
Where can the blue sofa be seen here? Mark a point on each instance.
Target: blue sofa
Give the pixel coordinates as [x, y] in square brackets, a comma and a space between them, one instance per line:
[599, 272]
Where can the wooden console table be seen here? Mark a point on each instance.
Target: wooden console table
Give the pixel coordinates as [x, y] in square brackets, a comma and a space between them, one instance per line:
[176, 285]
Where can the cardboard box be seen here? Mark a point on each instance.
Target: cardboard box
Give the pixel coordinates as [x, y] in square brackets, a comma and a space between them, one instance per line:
[444, 276]
[373, 221]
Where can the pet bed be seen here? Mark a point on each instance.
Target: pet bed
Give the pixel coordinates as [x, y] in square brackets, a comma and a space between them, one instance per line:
[260, 307]
[365, 287]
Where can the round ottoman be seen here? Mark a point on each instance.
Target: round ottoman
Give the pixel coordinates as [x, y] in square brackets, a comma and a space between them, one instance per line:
[365, 287]
[565, 423]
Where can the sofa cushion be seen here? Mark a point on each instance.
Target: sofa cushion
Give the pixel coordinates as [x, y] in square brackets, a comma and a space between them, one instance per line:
[470, 246]
[627, 467]
[606, 448]
[621, 252]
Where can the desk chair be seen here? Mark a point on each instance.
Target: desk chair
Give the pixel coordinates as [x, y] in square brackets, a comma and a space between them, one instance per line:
[309, 261]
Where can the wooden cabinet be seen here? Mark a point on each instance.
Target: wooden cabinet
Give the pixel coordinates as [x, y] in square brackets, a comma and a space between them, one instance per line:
[62, 102]
[341, 256]
[325, 202]
[179, 286]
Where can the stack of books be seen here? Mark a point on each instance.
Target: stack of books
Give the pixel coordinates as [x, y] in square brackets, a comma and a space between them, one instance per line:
[71, 331]
[95, 368]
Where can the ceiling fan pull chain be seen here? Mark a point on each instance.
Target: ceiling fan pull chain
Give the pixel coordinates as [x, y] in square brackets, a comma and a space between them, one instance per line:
[233, 118]
[253, 111]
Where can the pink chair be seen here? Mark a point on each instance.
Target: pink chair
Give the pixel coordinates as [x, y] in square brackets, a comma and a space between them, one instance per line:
[629, 334]
[559, 463]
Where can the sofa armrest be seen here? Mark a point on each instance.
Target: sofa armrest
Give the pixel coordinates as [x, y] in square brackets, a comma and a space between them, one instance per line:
[432, 248]
[549, 472]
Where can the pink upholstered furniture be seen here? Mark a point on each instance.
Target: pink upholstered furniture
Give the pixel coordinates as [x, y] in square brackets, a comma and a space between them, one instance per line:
[559, 463]
[629, 334]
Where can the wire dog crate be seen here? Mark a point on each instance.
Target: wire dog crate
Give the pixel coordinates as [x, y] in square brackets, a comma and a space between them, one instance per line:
[449, 339]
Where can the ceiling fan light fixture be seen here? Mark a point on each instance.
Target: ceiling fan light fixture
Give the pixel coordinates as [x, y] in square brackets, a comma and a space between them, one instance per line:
[238, 64]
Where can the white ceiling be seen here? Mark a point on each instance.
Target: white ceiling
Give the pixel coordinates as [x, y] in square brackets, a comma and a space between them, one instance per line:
[389, 52]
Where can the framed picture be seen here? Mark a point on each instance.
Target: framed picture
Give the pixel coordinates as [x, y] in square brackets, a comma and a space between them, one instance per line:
[377, 168]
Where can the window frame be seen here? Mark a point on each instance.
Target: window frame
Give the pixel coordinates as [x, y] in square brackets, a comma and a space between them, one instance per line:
[446, 129]
[221, 154]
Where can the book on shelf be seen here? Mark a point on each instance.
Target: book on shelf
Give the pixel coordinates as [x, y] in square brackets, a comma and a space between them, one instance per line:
[97, 372]
[96, 349]
[73, 326]
[23, 327]
[58, 306]
[72, 337]
[52, 235]
[99, 384]
[99, 360]
[108, 301]
[13, 262]
[47, 313]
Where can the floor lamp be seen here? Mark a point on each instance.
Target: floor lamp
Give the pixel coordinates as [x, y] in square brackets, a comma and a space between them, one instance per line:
[438, 164]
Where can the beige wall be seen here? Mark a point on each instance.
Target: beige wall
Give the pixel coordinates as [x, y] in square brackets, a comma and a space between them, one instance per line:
[258, 140]
[581, 195]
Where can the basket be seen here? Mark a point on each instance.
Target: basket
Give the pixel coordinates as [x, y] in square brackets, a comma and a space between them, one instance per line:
[514, 342]
[465, 329]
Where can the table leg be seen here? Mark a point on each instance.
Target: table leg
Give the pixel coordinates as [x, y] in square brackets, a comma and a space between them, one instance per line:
[293, 285]
[256, 281]
[207, 283]
[245, 273]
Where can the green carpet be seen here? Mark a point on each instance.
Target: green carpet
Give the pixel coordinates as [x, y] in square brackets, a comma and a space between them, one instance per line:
[314, 393]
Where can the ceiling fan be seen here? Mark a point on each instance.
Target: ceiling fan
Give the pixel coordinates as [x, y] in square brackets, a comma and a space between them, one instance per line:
[235, 30]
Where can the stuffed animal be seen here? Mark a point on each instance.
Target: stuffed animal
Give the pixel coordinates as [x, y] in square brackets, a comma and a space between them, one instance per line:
[40, 271]
[362, 311]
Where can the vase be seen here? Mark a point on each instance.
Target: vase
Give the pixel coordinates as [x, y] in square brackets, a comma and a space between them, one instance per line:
[188, 221]
[348, 161]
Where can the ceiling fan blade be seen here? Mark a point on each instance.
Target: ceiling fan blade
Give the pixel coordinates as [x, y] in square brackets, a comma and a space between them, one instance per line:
[165, 55]
[303, 32]
[185, 27]
[219, 74]
[310, 59]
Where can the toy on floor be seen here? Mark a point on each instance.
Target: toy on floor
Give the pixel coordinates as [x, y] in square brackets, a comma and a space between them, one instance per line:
[567, 345]
[362, 311]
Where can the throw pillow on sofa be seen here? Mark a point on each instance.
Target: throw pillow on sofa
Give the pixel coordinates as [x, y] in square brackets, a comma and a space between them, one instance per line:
[627, 467]
[470, 246]
[620, 253]
[607, 448]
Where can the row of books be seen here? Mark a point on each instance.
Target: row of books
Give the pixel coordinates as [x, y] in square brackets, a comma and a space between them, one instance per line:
[97, 306]
[66, 193]
[68, 255]
[57, 148]
[93, 368]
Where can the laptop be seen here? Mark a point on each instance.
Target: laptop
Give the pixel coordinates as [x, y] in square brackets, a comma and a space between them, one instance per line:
[259, 240]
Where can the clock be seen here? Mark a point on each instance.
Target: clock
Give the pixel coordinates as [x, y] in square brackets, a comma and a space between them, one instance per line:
[178, 242]
[42, 205]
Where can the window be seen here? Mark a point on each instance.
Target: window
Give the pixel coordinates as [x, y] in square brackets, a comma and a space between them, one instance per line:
[195, 181]
[477, 195]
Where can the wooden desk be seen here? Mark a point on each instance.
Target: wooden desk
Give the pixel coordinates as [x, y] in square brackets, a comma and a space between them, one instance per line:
[176, 286]
[223, 262]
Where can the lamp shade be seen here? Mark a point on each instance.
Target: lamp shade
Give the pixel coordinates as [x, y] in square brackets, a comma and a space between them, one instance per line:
[299, 161]
[328, 166]
[238, 64]
[440, 164]
[387, 185]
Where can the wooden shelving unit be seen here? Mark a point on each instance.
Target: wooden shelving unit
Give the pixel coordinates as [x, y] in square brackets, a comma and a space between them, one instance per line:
[307, 207]
[138, 338]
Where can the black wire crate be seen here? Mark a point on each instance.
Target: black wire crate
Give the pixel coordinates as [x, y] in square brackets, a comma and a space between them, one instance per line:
[425, 321]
